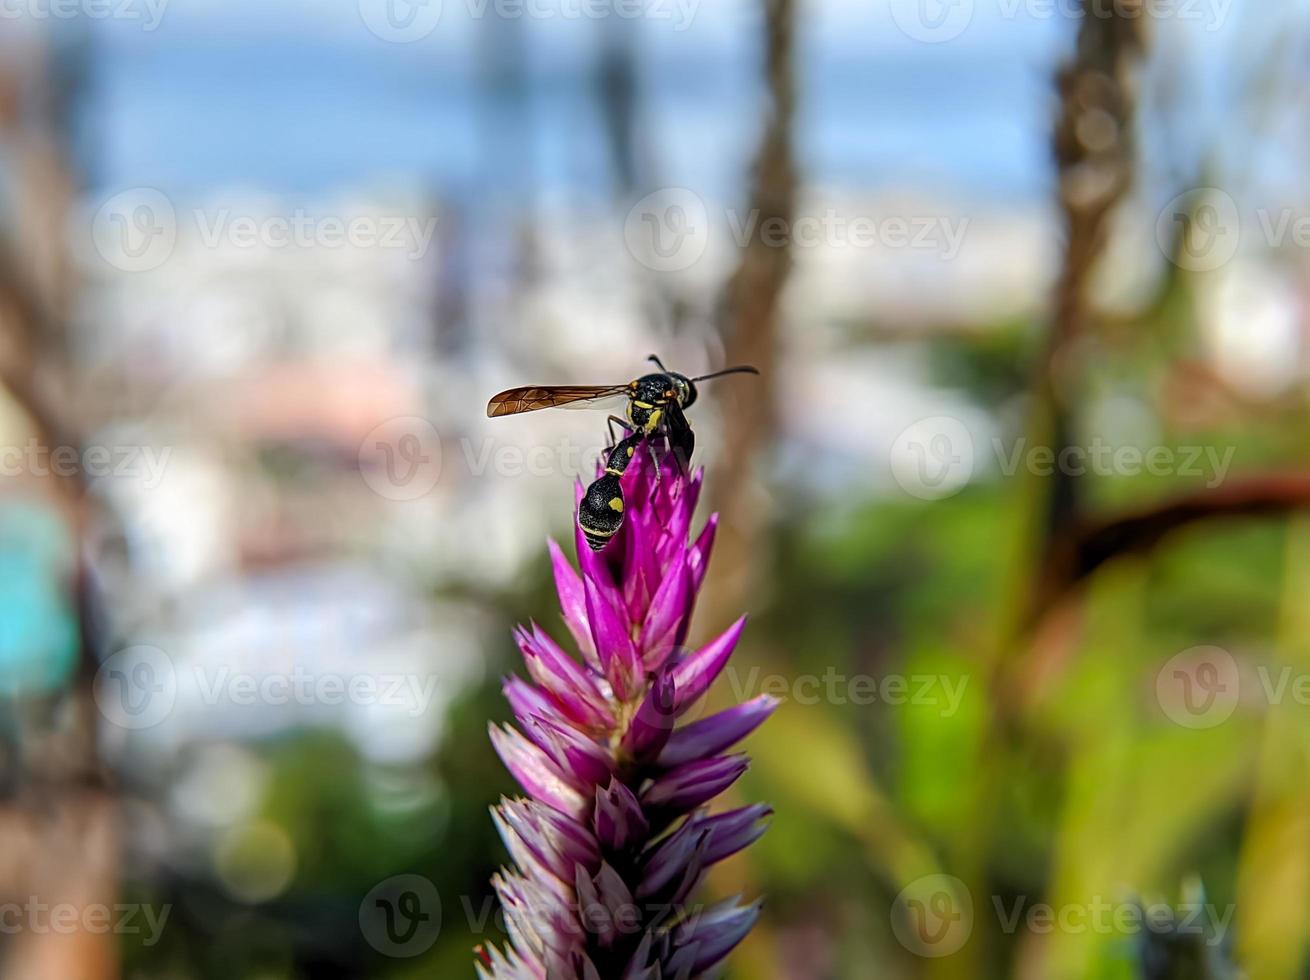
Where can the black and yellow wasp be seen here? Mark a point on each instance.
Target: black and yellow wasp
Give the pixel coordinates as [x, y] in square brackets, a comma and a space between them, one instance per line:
[656, 405]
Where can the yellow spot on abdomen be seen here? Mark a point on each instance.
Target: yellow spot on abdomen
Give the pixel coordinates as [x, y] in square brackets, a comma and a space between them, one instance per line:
[616, 503]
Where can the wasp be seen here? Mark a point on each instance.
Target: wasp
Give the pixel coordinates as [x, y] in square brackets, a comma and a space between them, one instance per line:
[656, 405]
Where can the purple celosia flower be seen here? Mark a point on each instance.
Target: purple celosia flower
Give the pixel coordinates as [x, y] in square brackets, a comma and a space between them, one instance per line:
[614, 838]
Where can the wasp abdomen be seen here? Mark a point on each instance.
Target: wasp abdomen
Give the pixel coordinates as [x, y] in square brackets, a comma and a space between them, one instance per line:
[600, 514]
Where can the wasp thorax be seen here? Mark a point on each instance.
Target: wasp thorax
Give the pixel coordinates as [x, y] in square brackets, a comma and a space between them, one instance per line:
[654, 389]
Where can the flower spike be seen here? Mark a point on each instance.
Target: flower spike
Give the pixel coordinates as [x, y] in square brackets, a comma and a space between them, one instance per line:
[614, 836]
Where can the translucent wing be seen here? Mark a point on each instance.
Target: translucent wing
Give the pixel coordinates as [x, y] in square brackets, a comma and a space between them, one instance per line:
[535, 397]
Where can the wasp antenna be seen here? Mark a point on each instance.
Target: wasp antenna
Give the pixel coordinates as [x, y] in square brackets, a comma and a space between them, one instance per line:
[658, 362]
[742, 369]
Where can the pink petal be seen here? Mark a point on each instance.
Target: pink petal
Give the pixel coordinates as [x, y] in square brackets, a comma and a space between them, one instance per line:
[614, 646]
[712, 735]
[694, 674]
[572, 600]
[539, 777]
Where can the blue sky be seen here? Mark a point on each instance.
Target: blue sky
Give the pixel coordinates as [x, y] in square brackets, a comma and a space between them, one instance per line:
[300, 98]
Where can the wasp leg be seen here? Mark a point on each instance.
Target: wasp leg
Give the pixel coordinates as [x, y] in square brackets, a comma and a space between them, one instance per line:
[655, 462]
[609, 424]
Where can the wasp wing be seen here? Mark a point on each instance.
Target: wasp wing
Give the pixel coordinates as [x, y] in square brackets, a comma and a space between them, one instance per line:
[534, 397]
[611, 402]
[682, 441]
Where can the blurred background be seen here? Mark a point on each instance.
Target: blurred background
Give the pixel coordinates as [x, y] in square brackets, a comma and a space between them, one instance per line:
[1017, 505]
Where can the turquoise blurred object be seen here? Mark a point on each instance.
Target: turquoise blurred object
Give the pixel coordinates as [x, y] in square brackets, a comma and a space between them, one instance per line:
[38, 621]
